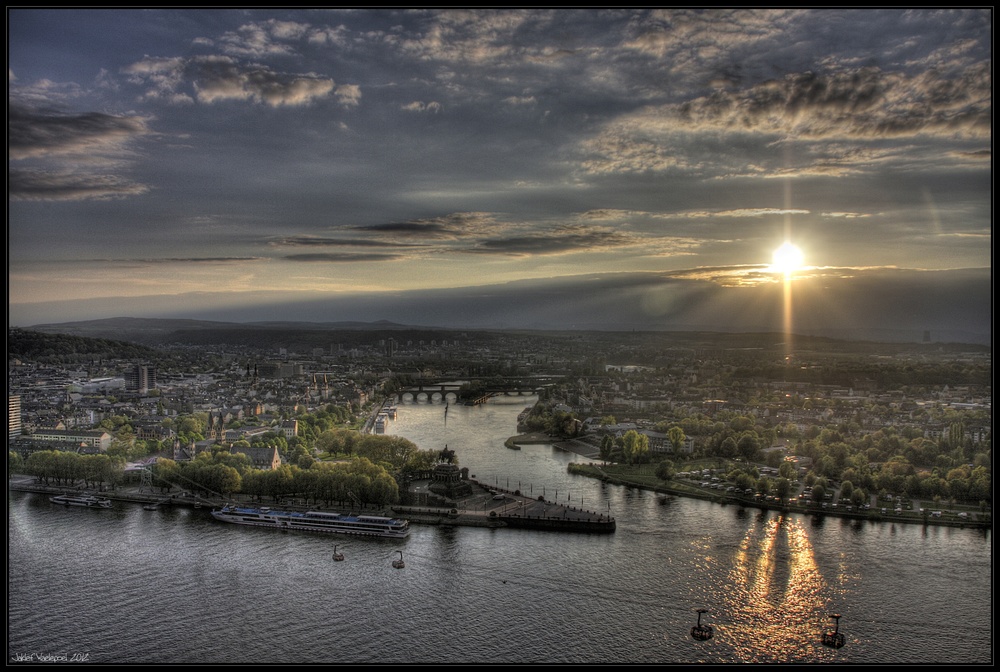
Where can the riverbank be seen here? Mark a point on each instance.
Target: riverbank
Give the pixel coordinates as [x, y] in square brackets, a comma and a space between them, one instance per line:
[642, 479]
[676, 489]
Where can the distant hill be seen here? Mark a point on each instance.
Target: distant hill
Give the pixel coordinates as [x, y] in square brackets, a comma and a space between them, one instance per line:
[60, 348]
[302, 337]
[155, 332]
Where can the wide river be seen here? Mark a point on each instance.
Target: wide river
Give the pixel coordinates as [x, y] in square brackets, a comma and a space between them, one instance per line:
[128, 585]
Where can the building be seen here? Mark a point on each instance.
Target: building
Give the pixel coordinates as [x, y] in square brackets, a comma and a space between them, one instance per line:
[141, 378]
[97, 439]
[290, 428]
[13, 416]
[261, 457]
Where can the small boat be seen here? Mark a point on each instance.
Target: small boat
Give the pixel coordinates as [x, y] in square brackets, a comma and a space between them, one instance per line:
[399, 564]
[151, 506]
[702, 632]
[833, 638]
[89, 501]
[337, 556]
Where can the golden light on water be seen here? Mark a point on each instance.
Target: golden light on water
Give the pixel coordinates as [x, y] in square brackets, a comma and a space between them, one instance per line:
[778, 596]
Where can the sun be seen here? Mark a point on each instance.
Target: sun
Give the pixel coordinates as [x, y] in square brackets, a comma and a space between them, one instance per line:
[787, 259]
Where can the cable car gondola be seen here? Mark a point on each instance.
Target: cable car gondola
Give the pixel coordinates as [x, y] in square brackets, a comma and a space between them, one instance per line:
[701, 632]
[834, 639]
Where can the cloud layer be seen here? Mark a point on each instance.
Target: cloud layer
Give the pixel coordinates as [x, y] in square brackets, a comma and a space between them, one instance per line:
[390, 150]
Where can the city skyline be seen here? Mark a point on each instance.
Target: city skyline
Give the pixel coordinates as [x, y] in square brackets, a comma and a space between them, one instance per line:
[540, 168]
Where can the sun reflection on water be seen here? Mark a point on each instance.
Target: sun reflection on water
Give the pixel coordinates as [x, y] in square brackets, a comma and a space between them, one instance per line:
[776, 594]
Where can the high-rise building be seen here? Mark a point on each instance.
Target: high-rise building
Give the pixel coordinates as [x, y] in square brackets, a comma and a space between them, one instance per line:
[142, 378]
[13, 416]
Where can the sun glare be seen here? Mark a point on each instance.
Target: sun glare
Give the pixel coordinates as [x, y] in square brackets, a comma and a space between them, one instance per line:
[787, 259]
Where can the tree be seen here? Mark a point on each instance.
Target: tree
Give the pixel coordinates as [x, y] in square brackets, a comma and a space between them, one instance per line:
[607, 447]
[846, 488]
[728, 448]
[14, 463]
[677, 438]
[665, 470]
[782, 488]
[635, 447]
[165, 474]
[421, 461]
[748, 446]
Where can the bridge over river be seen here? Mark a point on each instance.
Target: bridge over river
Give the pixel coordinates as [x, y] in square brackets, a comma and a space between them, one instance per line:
[474, 390]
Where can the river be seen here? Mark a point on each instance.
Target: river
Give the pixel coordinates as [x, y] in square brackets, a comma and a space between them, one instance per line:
[127, 585]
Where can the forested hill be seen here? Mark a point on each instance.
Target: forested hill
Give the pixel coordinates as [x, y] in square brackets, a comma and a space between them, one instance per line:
[44, 348]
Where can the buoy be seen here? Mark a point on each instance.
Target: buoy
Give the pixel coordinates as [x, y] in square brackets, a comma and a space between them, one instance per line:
[699, 631]
[833, 638]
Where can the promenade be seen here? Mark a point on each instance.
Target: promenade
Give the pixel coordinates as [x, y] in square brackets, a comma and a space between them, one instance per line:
[480, 510]
[123, 493]
[492, 506]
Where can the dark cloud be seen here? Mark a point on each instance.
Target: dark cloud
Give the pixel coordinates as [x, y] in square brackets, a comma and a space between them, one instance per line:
[417, 229]
[71, 156]
[204, 260]
[38, 185]
[342, 257]
[35, 133]
[562, 241]
[312, 241]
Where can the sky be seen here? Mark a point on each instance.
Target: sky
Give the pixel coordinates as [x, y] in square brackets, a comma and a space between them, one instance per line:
[550, 168]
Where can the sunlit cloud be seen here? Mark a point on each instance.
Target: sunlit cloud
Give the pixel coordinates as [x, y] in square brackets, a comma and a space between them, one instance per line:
[418, 106]
[266, 38]
[349, 95]
[211, 79]
[845, 215]
[754, 213]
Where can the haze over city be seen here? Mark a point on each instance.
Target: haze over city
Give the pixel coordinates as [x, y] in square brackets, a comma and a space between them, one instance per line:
[604, 168]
